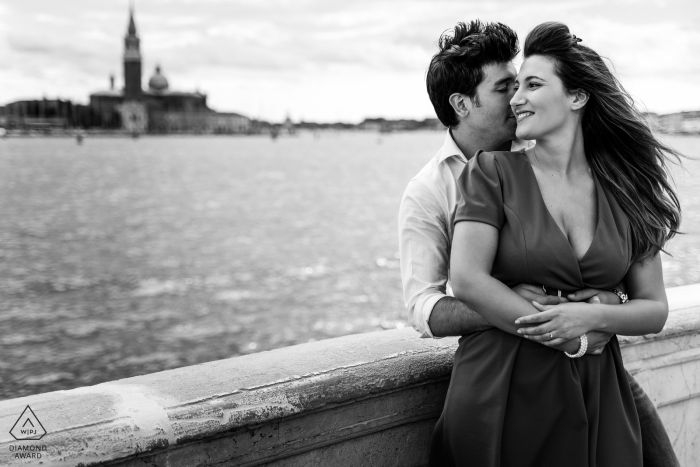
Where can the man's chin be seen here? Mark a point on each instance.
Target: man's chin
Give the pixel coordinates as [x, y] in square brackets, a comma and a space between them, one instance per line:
[511, 127]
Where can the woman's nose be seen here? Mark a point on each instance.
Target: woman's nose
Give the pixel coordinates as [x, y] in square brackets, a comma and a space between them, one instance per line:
[516, 99]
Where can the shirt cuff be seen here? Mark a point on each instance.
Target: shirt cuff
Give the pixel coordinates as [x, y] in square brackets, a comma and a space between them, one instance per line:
[425, 311]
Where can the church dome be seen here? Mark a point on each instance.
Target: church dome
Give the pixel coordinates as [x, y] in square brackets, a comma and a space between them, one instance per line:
[158, 82]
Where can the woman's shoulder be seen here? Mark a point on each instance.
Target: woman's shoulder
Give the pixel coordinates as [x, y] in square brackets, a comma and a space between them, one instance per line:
[500, 161]
[503, 156]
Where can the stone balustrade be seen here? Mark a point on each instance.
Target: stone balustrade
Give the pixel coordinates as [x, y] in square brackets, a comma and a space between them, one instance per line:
[361, 400]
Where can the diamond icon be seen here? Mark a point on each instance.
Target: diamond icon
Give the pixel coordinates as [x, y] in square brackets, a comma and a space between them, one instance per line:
[28, 426]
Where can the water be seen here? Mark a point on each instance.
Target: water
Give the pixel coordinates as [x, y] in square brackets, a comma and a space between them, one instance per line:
[123, 257]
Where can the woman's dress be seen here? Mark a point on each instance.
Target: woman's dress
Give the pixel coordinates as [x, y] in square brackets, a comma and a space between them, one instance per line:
[515, 402]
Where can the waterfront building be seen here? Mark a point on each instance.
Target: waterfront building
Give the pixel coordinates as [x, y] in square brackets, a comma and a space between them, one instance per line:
[383, 125]
[43, 114]
[681, 122]
[157, 109]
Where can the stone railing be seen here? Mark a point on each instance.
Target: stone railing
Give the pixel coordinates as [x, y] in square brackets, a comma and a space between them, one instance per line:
[362, 400]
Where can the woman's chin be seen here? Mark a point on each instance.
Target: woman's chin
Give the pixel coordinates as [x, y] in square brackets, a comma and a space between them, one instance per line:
[522, 133]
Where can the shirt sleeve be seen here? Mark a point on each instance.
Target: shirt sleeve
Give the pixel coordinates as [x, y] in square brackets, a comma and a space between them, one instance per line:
[482, 196]
[424, 250]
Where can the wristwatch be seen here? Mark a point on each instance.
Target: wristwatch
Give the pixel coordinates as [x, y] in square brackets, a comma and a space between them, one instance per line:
[623, 296]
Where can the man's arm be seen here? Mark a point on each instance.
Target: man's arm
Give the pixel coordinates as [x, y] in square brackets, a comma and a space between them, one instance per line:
[424, 249]
[450, 317]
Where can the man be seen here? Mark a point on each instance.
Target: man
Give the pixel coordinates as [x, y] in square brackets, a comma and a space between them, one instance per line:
[470, 82]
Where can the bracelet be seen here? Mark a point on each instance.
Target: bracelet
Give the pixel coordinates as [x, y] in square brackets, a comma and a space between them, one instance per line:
[581, 349]
[623, 296]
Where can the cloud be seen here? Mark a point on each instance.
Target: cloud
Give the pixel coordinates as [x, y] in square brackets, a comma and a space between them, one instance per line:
[267, 58]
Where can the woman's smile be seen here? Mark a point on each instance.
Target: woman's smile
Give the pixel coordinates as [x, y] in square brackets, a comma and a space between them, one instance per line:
[523, 114]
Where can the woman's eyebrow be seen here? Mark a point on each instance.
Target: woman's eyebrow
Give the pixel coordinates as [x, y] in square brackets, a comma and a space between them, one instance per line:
[534, 77]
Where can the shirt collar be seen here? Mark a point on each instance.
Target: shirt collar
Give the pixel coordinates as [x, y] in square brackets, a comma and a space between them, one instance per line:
[450, 149]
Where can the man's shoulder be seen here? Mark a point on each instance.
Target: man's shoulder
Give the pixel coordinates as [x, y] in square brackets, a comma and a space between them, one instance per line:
[434, 177]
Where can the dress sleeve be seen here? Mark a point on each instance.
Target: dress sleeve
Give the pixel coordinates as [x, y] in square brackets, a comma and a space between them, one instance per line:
[480, 186]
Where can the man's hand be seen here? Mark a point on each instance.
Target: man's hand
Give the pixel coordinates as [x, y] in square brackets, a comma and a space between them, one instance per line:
[595, 296]
[532, 293]
[597, 341]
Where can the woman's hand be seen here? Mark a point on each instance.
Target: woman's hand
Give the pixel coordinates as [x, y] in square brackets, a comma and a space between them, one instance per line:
[565, 322]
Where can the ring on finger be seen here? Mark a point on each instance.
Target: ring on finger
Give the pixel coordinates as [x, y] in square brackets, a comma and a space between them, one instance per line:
[551, 336]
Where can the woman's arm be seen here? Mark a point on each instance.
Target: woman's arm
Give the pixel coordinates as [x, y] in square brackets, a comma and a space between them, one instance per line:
[648, 311]
[474, 246]
[645, 314]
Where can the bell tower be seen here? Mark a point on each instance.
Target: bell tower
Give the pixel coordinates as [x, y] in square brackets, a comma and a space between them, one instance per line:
[132, 61]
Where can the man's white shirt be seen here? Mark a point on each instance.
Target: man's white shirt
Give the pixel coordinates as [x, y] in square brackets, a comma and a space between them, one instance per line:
[426, 219]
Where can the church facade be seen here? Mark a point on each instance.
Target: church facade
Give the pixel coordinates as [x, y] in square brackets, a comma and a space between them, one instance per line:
[157, 109]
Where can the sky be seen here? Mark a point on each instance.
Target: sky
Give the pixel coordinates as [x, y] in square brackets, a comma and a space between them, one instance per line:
[324, 60]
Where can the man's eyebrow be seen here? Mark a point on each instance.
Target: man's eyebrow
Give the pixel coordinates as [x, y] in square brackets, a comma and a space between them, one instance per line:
[503, 81]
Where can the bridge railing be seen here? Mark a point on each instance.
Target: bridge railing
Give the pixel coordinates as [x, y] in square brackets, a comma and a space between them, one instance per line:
[365, 399]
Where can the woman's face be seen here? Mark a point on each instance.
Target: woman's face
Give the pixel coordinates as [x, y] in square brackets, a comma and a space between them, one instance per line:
[541, 104]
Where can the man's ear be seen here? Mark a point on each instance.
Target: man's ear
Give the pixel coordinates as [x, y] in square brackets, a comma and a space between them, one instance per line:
[461, 104]
[580, 99]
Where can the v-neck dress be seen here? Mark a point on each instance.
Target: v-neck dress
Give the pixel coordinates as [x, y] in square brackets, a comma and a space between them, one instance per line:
[514, 402]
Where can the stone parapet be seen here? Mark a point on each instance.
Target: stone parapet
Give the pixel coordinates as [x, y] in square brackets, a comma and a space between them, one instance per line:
[365, 399]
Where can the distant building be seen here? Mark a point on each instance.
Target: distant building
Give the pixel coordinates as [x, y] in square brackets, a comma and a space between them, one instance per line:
[652, 120]
[156, 109]
[387, 126]
[691, 125]
[288, 126]
[44, 114]
[681, 122]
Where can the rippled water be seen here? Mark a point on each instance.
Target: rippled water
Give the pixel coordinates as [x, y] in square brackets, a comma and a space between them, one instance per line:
[123, 257]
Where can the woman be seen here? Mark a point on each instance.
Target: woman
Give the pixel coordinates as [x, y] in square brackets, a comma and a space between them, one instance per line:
[588, 206]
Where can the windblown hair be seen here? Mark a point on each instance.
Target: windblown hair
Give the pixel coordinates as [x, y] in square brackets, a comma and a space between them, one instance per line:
[619, 144]
[459, 65]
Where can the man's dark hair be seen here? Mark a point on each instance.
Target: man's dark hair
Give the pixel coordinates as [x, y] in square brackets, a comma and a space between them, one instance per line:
[459, 65]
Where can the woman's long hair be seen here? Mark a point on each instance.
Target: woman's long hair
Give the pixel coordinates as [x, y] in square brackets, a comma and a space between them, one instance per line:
[618, 142]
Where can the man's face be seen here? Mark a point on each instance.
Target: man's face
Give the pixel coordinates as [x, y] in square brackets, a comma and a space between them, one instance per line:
[494, 117]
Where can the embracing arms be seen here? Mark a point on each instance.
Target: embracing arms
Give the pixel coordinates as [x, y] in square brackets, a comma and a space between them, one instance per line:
[424, 243]
[646, 313]
[473, 251]
[451, 317]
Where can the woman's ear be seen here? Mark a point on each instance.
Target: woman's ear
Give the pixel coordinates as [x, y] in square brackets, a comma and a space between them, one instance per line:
[580, 99]
[461, 104]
